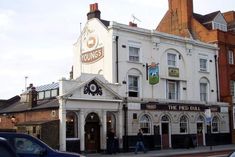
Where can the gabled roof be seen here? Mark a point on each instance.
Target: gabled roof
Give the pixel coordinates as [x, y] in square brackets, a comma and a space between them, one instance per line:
[22, 106]
[89, 77]
[206, 18]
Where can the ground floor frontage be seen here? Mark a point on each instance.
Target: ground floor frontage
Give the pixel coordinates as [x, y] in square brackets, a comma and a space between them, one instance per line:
[90, 109]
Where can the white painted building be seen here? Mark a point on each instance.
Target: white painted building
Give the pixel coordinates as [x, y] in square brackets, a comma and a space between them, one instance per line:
[110, 88]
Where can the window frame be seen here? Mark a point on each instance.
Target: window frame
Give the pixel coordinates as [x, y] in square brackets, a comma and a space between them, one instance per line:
[213, 123]
[145, 124]
[230, 57]
[176, 90]
[171, 62]
[184, 122]
[204, 94]
[203, 66]
[132, 54]
[133, 88]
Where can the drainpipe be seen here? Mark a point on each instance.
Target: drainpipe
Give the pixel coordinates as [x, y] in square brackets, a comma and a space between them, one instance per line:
[217, 78]
[117, 70]
[125, 139]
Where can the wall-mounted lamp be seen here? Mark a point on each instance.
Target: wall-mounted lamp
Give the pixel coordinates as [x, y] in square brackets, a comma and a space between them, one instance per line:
[13, 119]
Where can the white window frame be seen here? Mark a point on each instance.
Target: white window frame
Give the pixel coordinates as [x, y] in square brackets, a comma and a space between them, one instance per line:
[133, 57]
[203, 65]
[185, 123]
[175, 92]
[172, 59]
[220, 26]
[230, 57]
[215, 123]
[145, 123]
[133, 88]
[204, 92]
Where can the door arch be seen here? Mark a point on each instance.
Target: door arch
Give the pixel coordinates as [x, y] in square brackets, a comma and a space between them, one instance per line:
[92, 133]
[165, 132]
[200, 131]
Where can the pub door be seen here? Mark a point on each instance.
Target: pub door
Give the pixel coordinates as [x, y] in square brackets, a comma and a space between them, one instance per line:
[92, 133]
[200, 134]
[165, 136]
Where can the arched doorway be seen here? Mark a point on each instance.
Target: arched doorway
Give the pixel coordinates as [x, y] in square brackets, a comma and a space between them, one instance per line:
[92, 133]
[165, 131]
[200, 131]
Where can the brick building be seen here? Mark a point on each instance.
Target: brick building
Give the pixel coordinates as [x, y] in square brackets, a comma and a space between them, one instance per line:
[216, 27]
[34, 112]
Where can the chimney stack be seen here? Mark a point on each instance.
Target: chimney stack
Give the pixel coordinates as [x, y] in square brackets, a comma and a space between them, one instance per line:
[183, 9]
[94, 12]
[132, 24]
[32, 96]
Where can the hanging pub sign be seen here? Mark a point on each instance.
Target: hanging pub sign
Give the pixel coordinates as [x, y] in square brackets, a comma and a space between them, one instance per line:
[153, 72]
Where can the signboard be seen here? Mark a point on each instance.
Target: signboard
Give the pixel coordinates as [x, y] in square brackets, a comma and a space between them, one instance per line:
[180, 107]
[153, 72]
[92, 49]
[208, 116]
[173, 72]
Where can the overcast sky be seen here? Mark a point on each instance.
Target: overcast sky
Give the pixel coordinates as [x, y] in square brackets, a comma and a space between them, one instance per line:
[37, 36]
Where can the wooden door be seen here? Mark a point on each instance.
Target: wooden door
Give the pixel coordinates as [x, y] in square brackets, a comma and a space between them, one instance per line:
[165, 136]
[92, 137]
[200, 134]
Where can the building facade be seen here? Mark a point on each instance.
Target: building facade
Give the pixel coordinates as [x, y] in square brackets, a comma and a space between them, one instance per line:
[126, 78]
[217, 28]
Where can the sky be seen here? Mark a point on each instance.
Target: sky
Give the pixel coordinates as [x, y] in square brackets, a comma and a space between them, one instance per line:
[37, 36]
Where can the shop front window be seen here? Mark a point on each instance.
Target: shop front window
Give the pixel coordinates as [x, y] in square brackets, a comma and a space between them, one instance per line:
[145, 124]
[183, 124]
[71, 125]
[215, 125]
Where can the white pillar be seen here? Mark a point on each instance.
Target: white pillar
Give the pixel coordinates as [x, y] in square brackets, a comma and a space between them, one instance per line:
[62, 117]
[104, 130]
[120, 127]
[82, 131]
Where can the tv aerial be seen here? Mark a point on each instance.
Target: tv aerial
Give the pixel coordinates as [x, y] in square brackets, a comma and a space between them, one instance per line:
[134, 18]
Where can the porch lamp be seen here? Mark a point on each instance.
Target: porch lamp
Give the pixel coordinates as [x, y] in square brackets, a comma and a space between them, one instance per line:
[13, 119]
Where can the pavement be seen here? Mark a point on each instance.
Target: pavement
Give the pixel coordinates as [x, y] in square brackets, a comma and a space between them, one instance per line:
[169, 152]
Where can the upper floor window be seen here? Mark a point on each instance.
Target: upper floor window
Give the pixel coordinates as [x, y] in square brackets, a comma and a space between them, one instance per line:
[232, 87]
[133, 86]
[219, 26]
[183, 124]
[172, 90]
[134, 53]
[230, 57]
[203, 64]
[171, 59]
[145, 124]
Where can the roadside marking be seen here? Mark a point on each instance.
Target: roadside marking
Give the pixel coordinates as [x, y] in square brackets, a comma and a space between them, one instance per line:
[221, 155]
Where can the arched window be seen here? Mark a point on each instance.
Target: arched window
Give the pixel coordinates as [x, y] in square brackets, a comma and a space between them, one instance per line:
[145, 124]
[183, 124]
[215, 125]
[71, 125]
[134, 82]
[111, 121]
[204, 87]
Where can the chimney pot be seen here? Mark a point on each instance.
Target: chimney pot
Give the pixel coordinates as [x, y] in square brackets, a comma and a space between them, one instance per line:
[132, 24]
[94, 12]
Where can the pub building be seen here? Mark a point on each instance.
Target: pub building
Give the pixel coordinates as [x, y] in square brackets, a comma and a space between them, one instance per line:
[125, 77]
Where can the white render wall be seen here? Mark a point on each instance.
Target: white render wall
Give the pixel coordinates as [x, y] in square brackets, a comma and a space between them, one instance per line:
[153, 48]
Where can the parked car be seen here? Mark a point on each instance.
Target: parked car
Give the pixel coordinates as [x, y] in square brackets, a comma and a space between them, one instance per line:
[232, 154]
[5, 149]
[29, 146]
